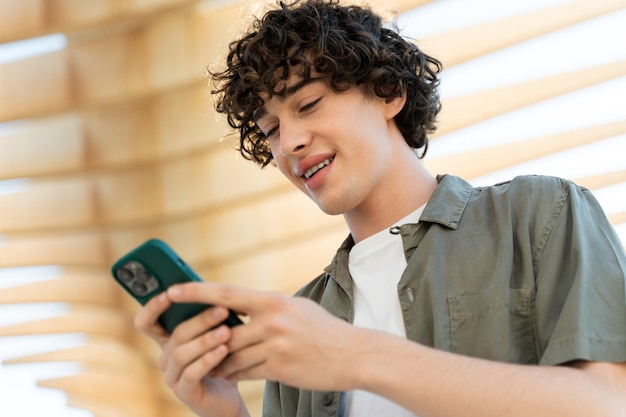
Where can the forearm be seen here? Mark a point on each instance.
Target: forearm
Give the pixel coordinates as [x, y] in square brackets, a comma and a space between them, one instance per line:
[433, 383]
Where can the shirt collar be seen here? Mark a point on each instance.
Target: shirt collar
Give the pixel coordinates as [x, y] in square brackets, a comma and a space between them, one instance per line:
[445, 206]
[448, 201]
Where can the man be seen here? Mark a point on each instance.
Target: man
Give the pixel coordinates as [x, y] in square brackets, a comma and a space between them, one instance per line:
[444, 298]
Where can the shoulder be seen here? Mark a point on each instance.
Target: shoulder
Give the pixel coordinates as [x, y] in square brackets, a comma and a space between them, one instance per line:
[521, 191]
[534, 185]
[535, 194]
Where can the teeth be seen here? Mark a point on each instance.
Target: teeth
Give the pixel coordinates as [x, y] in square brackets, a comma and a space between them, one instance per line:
[316, 168]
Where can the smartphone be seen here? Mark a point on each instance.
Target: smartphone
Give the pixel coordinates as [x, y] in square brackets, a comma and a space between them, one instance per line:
[149, 270]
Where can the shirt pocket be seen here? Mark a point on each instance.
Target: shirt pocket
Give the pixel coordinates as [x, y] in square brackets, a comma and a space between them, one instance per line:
[494, 325]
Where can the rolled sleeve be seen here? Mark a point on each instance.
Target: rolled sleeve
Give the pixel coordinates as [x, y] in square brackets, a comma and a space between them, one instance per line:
[580, 299]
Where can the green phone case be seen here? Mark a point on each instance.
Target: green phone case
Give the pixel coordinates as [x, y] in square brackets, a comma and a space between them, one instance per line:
[149, 270]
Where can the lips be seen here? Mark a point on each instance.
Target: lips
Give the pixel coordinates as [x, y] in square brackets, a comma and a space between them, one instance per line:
[308, 166]
[311, 171]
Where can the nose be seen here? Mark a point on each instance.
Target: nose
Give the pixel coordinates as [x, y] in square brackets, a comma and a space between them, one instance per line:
[294, 138]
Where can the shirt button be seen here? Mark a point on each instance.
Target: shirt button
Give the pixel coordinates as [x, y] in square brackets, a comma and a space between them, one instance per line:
[328, 399]
[409, 293]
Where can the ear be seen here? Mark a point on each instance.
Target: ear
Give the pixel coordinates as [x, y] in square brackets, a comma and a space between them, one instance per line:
[394, 105]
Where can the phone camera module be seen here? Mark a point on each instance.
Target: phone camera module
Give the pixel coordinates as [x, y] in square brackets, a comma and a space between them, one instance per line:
[139, 288]
[125, 275]
[137, 279]
[142, 276]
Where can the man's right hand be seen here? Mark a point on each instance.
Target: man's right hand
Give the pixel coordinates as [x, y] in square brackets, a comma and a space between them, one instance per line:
[189, 354]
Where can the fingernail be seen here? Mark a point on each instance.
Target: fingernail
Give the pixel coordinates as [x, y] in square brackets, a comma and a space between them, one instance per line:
[217, 311]
[220, 333]
[174, 290]
[221, 350]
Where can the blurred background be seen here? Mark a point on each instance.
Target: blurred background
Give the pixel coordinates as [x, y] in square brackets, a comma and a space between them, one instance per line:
[108, 137]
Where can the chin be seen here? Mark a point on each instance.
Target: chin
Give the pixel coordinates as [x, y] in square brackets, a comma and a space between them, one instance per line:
[334, 204]
[332, 209]
[331, 212]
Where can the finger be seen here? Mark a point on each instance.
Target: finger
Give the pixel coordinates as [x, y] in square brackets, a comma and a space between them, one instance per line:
[189, 330]
[146, 319]
[185, 355]
[194, 374]
[199, 324]
[254, 373]
[235, 298]
[245, 336]
[239, 362]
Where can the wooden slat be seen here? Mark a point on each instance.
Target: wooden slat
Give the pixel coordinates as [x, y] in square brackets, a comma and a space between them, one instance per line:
[67, 203]
[126, 390]
[21, 19]
[617, 218]
[456, 112]
[99, 408]
[103, 408]
[602, 180]
[479, 162]
[21, 81]
[80, 319]
[204, 181]
[461, 45]
[153, 377]
[169, 53]
[78, 249]
[60, 280]
[106, 352]
[164, 126]
[43, 147]
[101, 291]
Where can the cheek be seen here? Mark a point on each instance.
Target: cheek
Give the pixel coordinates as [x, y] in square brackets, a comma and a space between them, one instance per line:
[274, 149]
[283, 166]
[276, 157]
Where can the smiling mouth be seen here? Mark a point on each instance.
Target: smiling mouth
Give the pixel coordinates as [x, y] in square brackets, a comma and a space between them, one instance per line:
[311, 171]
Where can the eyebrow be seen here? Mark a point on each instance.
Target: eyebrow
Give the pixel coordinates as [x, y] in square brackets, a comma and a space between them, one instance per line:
[289, 91]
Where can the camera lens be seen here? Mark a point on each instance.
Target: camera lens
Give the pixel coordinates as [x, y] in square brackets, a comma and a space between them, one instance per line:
[140, 289]
[124, 274]
[142, 276]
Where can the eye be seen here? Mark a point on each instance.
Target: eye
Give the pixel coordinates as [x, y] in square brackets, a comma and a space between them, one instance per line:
[310, 105]
[271, 132]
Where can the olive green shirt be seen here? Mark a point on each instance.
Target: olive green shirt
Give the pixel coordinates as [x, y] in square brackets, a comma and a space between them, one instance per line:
[528, 271]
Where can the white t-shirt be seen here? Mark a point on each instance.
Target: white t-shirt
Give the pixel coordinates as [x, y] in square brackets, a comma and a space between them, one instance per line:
[376, 265]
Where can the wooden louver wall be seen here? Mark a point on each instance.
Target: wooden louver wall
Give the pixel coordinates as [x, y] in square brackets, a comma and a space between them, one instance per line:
[117, 141]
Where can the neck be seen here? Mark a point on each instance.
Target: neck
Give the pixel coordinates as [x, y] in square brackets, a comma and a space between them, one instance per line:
[408, 189]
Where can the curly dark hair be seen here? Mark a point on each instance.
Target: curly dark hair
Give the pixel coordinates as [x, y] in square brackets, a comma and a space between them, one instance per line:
[346, 46]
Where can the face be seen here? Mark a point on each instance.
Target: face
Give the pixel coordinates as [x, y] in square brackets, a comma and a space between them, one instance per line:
[337, 148]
